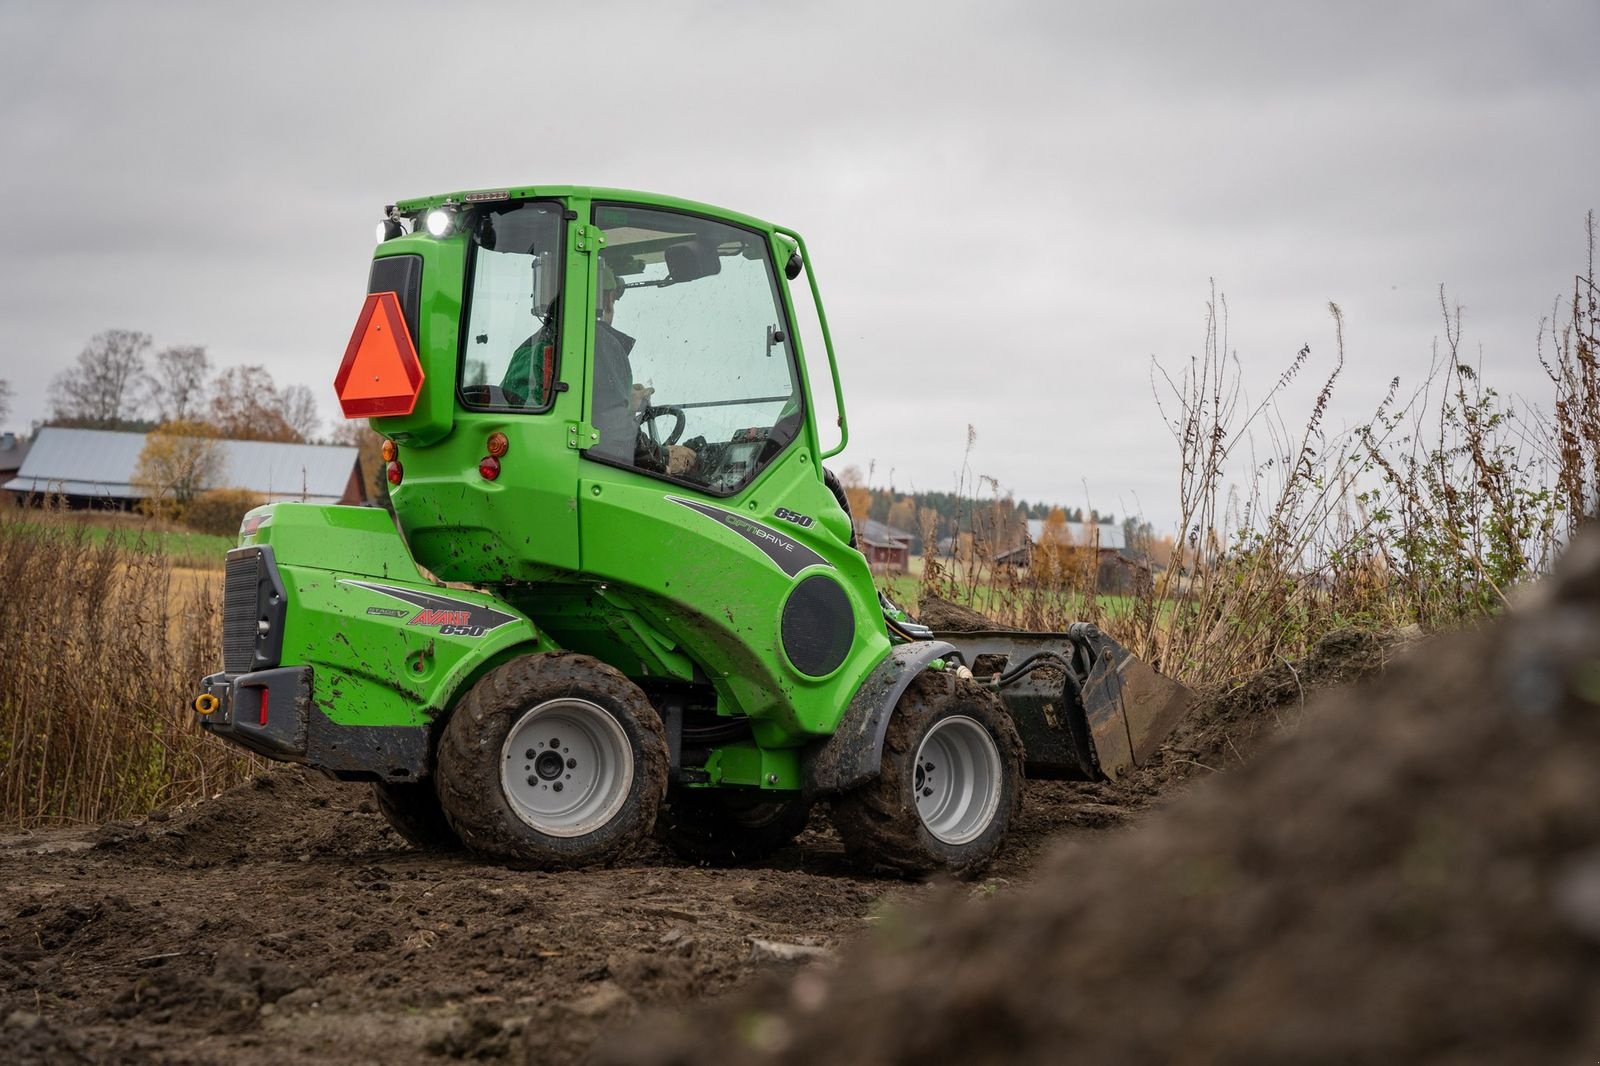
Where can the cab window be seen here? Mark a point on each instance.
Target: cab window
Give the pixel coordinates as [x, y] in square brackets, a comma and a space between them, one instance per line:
[510, 342]
[694, 379]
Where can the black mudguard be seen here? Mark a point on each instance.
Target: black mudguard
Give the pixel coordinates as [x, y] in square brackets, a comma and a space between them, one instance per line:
[852, 755]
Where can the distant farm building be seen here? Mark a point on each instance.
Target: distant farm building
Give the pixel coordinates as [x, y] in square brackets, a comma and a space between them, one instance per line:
[888, 550]
[95, 468]
[1119, 569]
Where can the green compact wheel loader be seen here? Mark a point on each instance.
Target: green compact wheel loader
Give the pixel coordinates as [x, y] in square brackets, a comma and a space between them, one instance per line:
[618, 594]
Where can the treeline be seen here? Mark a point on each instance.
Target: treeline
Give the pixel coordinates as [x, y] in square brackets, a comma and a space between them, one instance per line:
[121, 382]
[1000, 520]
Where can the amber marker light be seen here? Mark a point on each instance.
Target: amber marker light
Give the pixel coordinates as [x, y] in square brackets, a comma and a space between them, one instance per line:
[489, 467]
[395, 473]
[498, 444]
[391, 451]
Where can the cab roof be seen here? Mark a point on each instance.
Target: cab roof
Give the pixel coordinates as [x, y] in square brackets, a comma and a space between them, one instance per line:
[581, 192]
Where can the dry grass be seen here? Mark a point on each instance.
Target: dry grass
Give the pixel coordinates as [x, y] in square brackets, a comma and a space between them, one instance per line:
[103, 642]
[1427, 514]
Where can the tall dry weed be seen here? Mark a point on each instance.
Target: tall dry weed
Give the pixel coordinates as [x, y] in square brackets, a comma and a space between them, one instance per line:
[1428, 513]
[101, 646]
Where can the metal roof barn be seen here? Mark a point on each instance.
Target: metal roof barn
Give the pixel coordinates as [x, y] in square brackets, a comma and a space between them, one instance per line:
[99, 464]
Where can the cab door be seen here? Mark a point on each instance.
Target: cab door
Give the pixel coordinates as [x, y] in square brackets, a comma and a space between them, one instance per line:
[700, 489]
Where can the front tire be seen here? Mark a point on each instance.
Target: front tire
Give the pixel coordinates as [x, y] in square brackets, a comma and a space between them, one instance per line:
[949, 786]
[555, 759]
[722, 826]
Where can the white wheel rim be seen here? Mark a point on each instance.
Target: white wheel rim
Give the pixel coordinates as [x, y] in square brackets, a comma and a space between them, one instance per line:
[957, 779]
[566, 767]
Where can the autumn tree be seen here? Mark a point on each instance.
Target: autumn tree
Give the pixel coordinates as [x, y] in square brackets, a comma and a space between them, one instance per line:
[246, 405]
[176, 383]
[100, 390]
[856, 491]
[178, 461]
[903, 514]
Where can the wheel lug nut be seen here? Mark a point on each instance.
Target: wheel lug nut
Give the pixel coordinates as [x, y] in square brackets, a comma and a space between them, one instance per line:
[556, 786]
[532, 779]
[927, 792]
[530, 753]
[554, 742]
[572, 764]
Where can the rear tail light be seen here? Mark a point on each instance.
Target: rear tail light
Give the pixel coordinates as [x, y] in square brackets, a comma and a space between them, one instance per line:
[395, 473]
[489, 467]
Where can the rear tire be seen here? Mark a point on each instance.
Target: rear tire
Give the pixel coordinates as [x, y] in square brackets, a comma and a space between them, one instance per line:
[412, 810]
[949, 787]
[724, 826]
[555, 759]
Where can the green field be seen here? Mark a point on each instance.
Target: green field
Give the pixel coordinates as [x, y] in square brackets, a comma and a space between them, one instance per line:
[184, 548]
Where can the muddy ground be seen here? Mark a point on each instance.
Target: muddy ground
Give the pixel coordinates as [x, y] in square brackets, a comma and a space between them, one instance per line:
[284, 921]
[1412, 876]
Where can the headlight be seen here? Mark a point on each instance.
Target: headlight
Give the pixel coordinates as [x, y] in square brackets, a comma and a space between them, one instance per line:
[440, 221]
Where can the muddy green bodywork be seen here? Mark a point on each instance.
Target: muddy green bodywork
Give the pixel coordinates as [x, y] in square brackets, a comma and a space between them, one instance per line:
[586, 556]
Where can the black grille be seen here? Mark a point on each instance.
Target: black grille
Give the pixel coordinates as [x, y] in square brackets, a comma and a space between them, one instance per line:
[239, 603]
[253, 608]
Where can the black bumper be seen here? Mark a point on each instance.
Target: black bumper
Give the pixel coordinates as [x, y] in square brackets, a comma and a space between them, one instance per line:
[272, 713]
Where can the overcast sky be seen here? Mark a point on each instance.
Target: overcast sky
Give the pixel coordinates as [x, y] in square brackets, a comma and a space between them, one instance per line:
[1011, 207]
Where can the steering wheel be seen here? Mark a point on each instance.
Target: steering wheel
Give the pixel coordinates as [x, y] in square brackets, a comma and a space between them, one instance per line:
[653, 412]
[491, 396]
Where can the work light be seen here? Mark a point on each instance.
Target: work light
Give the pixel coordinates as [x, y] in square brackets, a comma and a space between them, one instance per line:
[440, 220]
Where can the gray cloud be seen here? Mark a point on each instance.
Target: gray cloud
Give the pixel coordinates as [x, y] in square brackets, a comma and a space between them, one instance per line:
[1011, 207]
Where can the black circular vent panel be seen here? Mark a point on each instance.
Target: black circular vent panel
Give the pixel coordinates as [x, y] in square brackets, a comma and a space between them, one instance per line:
[818, 626]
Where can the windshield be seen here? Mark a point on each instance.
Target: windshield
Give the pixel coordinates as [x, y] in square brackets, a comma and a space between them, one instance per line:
[693, 373]
[510, 345]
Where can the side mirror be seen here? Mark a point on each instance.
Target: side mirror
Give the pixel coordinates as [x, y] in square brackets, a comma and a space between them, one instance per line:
[791, 269]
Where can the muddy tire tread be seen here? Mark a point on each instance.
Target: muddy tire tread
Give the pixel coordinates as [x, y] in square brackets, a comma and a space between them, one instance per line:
[468, 773]
[878, 821]
[412, 810]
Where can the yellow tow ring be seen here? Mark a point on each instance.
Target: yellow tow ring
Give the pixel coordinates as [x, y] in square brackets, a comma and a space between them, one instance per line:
[206, 703]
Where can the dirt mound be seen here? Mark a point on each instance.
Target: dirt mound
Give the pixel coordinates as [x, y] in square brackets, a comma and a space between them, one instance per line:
[1228, 723]
[285, 813]
[1413, 876]
[946, 616]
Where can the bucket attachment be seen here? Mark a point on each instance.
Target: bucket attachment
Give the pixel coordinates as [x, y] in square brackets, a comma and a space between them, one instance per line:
[1085, 706]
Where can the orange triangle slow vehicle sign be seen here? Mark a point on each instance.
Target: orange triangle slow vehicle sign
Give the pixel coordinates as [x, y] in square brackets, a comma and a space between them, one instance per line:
[381, 375]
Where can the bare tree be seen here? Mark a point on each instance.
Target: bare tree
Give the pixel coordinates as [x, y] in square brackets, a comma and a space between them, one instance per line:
[245, 405]
[5, 399]
[176, 384]
[299, 409]
[100, 390]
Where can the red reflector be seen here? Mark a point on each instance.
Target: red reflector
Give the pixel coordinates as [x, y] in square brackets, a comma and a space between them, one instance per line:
[489, 467]
[380, 375]
[395, 473]
[263, 706]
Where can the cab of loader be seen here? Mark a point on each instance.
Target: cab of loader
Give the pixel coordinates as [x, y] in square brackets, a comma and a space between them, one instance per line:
[612, 429]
